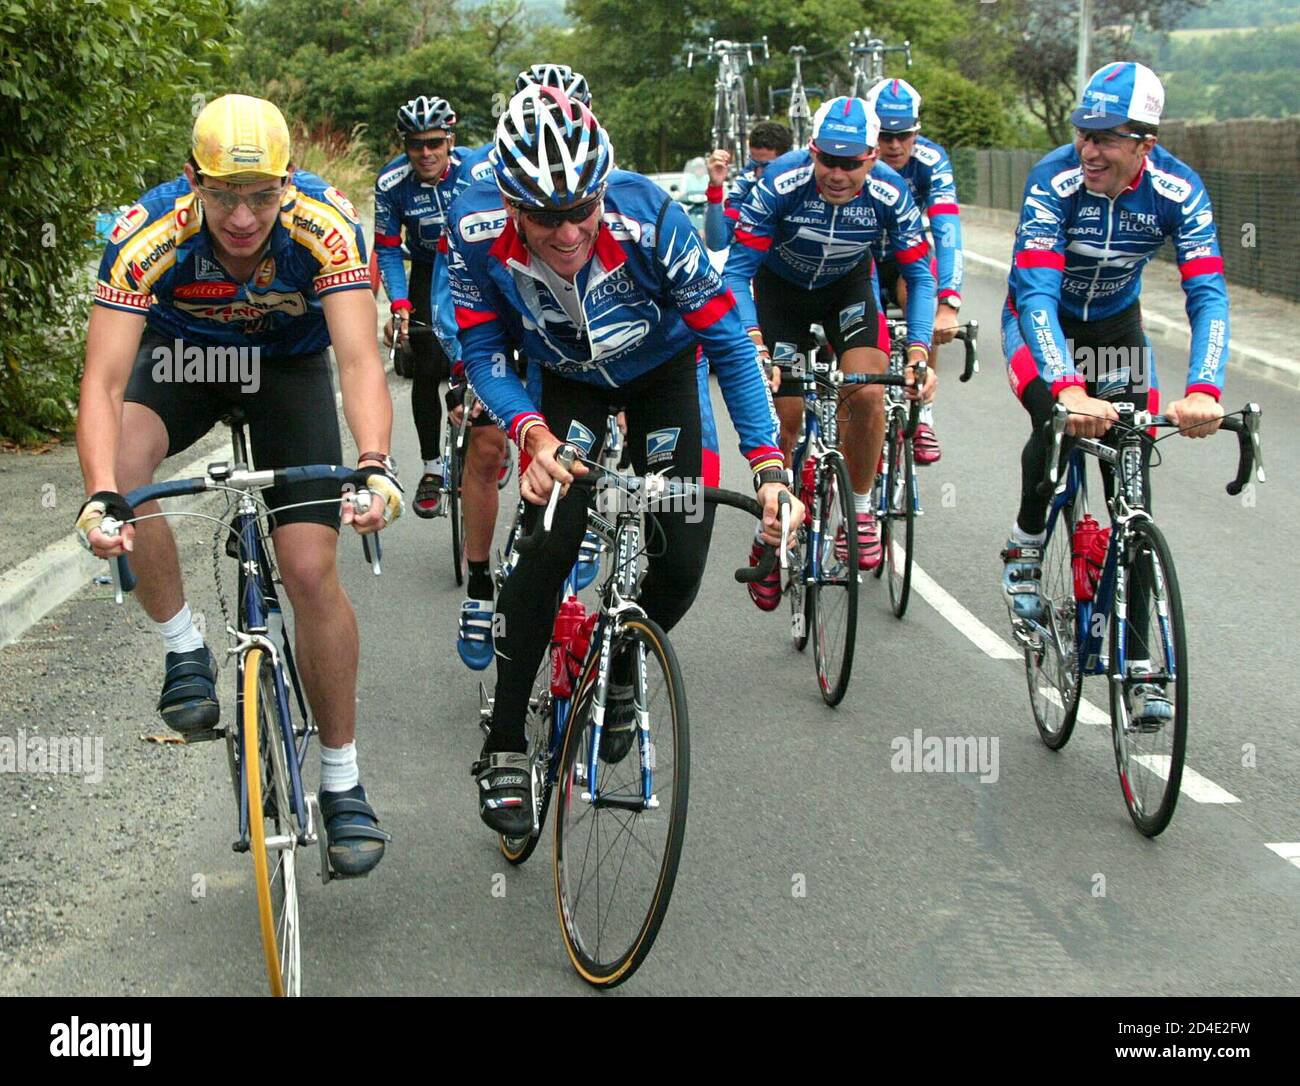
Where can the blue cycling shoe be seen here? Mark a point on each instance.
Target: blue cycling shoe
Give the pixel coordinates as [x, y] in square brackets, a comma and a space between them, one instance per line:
[588, 562]
[188, 703]
[1022, 576]
[475, 640]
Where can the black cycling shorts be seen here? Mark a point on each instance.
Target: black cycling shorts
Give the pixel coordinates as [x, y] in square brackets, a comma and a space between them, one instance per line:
[289, 410]
[428, 357]
[846, 309]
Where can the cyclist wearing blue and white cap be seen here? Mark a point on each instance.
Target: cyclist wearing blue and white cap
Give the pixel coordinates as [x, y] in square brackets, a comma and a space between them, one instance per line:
[926, 168]
[804, 238]
[1095, 211]
[598, 276]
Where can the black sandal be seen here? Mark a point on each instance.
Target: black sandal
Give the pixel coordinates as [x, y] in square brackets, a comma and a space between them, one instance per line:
[356, 843]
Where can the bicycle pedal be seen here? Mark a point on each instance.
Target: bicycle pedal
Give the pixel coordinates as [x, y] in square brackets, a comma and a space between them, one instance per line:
[205, 735]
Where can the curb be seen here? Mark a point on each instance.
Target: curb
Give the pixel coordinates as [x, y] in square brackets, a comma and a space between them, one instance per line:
[1176, 333]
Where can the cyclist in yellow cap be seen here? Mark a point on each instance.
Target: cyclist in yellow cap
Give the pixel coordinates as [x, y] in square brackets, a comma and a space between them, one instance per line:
[241, 252]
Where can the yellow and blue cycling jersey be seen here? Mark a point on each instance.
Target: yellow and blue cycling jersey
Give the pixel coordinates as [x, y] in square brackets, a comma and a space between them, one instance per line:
[159, 261]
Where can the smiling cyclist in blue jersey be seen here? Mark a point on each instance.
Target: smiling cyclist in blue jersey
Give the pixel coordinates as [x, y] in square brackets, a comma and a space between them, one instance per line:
[1095, 211]
[598, 277]
[804, 239]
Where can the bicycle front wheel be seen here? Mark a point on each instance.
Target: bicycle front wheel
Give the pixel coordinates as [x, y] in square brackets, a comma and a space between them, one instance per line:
[1149, 680]
[270, 803]
[898, 530]
[833, 596]
[1052, 655]
[616, 857]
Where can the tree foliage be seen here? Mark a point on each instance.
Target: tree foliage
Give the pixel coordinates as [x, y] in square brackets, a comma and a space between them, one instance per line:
[96, 102]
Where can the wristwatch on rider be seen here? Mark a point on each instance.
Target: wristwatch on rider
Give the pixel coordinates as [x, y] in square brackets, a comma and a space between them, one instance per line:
[952, 302]
[773, 475]
[386, 459]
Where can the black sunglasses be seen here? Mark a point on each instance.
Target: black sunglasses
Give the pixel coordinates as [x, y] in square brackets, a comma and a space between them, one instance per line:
[549, 220]
[433, 143]
[838, 162]
[890, 137]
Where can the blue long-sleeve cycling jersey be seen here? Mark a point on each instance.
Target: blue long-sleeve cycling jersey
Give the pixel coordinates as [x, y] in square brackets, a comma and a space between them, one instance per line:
[1082, 254]
[721, 213]
[404, 203]
[929, 176]
[647, 294]
[788, 228]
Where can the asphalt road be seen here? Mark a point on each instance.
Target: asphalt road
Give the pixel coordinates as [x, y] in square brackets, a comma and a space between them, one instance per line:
[810, 865]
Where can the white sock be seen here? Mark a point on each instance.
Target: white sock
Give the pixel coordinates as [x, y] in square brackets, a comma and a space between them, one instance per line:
[179, 633]
[862, 503]
[338, 768]
[433, 467]
[927, 414]
[1021, 536]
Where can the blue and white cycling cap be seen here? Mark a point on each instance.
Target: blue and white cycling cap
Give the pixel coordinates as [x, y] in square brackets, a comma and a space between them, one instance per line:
[897, 103]
[1119, 93]
[846, 127]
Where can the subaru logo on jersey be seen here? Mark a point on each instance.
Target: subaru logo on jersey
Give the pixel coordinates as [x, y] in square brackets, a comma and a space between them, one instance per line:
[851, 313]
[581, 436]
[661, 444]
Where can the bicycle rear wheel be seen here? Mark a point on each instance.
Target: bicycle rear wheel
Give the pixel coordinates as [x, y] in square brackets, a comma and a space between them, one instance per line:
[1148, 755]
[456, 509]
[833, 597]
[270, 802]
[616, 859]
[538, 725]
[1052, 656]
[898, 530]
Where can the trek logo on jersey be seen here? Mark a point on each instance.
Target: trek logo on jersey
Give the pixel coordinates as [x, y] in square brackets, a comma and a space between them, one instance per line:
[621, 227]
[483, 225]
[886, 193]
[661, 444]
[791, 180]
[128, 223]
[851, 314]
[1067, 182]
[342, 203]
[482, 170]
[927, 156]
[1169, 186]
[393, 177]
[581, 436]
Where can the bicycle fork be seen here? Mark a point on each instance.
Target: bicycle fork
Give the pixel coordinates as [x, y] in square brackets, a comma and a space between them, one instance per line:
[647, 800]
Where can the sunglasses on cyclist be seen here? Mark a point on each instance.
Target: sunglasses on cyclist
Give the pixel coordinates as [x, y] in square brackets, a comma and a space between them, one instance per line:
[256, 201]
[890, 137]
[433, 143]
[839, 162]
[549, 220]
[1106, 138]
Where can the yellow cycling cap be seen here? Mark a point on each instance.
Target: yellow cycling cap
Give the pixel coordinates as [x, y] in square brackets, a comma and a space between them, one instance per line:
[237, 136]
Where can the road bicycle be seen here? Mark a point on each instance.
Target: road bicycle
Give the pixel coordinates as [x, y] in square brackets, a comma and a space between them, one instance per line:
[730, 111]
[867, 61]
[619, 820]
[1112, 607]
[799, 113]
[266, 743]
[896, 496]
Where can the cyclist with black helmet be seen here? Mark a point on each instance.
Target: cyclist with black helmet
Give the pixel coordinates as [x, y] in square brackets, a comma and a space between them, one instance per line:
[412, 196]
[599, 277]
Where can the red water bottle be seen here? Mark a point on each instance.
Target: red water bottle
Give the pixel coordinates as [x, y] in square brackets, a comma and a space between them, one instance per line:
[1088, 554]
[807, 481]
[567, 623]
[579, 643]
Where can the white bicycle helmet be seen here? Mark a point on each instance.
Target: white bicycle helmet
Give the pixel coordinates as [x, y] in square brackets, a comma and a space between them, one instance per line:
[560, 76]
[424, 113]
[551, 152]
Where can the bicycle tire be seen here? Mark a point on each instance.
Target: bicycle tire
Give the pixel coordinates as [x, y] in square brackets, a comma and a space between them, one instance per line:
[800, 563]
[266, 781]
[578, 822]
[836, 511]
[741, 122]
[538, 724]
[1052, 665]
[721, 125]
[1151, 818]
[901, 513]
[456, 511]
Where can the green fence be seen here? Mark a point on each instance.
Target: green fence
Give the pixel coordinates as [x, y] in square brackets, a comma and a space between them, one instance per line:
[1259, 229]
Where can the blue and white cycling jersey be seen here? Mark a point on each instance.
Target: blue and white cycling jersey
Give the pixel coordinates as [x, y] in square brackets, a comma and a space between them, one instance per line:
[1082, 254]
[721, 214]
[647, 294]
[404, 203]
[788, 228]
[929, 175]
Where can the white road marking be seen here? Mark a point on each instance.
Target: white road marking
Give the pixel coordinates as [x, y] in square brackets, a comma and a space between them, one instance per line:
[1288, 850]
[1194, 786]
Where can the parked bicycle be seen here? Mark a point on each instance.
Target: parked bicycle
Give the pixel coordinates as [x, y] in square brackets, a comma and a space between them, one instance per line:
[266, 743]
[867, 61]
[1111, 606]
[798, 112]
[620, 820]
[730, 109]
[897, 495]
